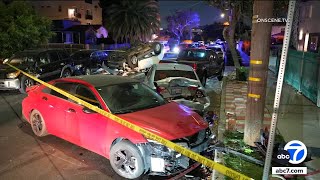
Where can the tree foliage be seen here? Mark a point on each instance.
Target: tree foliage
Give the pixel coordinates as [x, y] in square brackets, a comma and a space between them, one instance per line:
[237, 11]
[183, 21]
[21, 28]
[134, 20]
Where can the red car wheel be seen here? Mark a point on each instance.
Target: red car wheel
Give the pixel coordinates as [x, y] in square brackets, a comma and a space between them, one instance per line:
[37, 124]
[126, 160]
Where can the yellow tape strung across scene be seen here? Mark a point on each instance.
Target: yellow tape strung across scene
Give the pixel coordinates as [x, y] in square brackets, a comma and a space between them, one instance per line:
[257, 62]
[254, 79]
[197, 157]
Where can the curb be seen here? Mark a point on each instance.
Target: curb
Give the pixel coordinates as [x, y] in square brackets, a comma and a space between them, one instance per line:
[222, 113]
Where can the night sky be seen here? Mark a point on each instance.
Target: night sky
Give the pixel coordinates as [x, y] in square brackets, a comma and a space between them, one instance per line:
[208, 14]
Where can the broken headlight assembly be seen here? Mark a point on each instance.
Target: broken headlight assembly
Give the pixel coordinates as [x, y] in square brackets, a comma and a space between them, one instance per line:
[13, 75]
[165, 161]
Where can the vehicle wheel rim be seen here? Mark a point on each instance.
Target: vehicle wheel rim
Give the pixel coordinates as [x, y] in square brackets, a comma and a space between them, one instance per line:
[87, 71]
[28, 82]
[157, 48]
[134, 60]
[37, 123]
[125, 162]
[66, 74]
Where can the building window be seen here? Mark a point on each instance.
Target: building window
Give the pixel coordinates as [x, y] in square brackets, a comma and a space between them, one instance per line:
[89, 14]
[313, 43]
[307, 11]
[48, 6]
[71, 13]
[59, 8]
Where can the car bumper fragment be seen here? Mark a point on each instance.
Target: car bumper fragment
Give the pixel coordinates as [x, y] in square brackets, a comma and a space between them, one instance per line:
[164, 161]
[6, 84]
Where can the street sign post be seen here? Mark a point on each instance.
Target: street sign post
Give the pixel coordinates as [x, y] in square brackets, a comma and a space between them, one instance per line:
[276, 104]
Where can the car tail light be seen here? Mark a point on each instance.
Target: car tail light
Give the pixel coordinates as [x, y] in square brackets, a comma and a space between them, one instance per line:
[194, 66]
[161, 89]
[192, 88]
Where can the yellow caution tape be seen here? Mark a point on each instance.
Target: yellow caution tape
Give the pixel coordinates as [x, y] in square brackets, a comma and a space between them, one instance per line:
[254, 95]
[257, 62]
[197, 157]
[254, 79]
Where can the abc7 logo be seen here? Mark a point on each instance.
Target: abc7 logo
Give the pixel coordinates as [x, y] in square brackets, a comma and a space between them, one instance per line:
[295, 152]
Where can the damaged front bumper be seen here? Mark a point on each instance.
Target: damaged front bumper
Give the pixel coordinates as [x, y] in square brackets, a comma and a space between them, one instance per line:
[163, 161]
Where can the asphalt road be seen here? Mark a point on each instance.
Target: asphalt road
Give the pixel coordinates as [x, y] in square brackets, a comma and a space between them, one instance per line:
[25, 156]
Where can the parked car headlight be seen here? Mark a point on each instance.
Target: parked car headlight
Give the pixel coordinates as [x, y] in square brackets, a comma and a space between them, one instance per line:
[159, 149]
[78, 66]
[13, 75]
[176, 49]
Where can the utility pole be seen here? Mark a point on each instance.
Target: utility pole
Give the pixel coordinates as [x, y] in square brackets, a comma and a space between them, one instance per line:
[258, 71]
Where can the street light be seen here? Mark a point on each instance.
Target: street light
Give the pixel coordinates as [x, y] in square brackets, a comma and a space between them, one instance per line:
[222, 15]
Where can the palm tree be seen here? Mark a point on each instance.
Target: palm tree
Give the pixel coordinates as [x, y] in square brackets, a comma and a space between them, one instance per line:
[132, 20]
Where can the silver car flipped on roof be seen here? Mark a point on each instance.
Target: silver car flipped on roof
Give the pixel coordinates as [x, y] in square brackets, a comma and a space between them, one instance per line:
[179, 83]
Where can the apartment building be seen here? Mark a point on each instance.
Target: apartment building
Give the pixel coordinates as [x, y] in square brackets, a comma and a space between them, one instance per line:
[77, 10]
[309, 28]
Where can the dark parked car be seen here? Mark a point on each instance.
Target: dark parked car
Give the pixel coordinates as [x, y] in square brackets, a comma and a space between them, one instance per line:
[45, 64]
[86, 62]
[204, 61]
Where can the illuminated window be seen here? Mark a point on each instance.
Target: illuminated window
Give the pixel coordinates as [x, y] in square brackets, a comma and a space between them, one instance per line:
[300, 34]
[314, 43]
[71, 13]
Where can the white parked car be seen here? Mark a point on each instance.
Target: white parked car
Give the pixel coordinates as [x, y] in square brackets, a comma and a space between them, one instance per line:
[179, 83]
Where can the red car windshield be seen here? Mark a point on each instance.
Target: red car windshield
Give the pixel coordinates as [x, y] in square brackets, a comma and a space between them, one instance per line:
[129, 97]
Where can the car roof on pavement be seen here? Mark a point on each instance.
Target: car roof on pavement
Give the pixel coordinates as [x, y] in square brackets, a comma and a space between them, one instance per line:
[103, 79]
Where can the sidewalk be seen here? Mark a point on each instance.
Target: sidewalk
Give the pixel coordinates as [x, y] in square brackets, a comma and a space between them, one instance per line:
[298, 118]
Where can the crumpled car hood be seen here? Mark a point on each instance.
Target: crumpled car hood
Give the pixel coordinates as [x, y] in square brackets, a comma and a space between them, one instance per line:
[187, 96]
[170, 121]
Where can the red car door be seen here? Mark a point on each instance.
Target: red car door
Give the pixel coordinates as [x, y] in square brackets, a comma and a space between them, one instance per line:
[52, 107]
[85, 127]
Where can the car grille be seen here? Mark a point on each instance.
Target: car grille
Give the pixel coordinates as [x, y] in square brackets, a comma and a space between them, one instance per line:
[197, 138]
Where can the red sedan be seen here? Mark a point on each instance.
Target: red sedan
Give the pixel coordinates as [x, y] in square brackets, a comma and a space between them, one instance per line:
[131, 154]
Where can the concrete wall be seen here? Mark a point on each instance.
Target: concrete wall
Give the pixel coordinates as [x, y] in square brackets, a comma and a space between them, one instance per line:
[57, 10]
